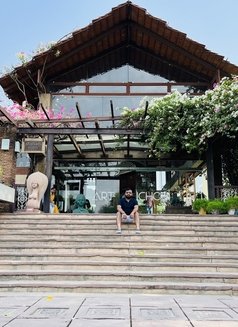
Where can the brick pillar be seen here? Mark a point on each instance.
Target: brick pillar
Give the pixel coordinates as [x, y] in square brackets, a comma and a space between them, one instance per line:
[7, 162]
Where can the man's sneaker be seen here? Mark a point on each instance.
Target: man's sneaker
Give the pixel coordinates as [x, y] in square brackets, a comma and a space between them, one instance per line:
[118, 232]
[138, 232]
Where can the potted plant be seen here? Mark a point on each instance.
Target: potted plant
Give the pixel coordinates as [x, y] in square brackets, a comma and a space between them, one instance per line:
[232, 205]
[200, 206]
[216, 206]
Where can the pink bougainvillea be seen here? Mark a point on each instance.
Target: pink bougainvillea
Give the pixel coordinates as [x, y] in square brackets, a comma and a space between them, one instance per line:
[18, 112]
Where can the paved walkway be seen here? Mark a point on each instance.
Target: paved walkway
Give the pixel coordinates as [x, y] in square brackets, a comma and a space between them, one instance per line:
[116, 310]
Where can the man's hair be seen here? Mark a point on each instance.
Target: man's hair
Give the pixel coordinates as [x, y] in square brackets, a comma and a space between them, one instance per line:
[128, 189]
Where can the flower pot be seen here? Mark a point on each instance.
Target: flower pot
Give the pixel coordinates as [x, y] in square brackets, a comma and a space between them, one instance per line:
[231, 212]
[202, 211]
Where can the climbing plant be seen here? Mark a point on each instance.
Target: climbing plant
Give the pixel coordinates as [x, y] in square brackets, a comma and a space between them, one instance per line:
[180, 122]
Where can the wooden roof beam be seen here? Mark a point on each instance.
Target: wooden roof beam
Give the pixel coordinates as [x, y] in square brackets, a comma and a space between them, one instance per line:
[146, 109]
[77, 147]
[30, 123]
[80, 116]
[45, 112]
[6, 115]
[101, 140]
[170, 63]
[79, 131]
[128, 147]
[112, 112]
[175, 47]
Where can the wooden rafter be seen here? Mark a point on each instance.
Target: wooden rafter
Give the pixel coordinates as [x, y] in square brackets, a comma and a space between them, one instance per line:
[77, 147]
[45, 112]
[101, 139]
[6, 115]
[80, 116]
[112, 113]
[146, 108]
[128, 146]
[30, 123]
[174, 46]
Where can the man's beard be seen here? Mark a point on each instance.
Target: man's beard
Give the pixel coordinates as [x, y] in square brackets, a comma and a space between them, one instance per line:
[128, 196]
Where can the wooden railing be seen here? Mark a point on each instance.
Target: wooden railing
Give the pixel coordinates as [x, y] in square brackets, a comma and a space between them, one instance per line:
[223, 192]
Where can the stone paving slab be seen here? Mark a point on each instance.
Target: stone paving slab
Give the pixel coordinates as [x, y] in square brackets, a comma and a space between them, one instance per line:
[212, 314]
[39, 323]
[18, 300]
[214, 323]
[163, 323]
[117, 310]
[230, 302]
[201, 300]
[100, 323]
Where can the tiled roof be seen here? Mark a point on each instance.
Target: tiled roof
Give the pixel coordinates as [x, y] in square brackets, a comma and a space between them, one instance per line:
[126, 35]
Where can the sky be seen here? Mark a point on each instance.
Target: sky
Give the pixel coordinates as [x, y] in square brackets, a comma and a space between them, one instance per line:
[26, 24]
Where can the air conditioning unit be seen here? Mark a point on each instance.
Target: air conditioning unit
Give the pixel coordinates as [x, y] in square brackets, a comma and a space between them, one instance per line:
[33, 145]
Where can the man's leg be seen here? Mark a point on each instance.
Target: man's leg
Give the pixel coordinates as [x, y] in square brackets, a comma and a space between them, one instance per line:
[137, 221]
[118, 219]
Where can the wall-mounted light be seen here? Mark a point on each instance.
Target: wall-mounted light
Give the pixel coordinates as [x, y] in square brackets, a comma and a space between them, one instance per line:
[17, 146]
[5, 144]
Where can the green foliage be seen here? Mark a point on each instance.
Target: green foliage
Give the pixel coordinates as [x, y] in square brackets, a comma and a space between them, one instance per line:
[232, 202]
[199, 204]
[217, 206]
[179, 122]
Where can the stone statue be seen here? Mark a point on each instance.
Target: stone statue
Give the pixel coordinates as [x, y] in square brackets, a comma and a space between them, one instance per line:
[36, 186]
[79, 204]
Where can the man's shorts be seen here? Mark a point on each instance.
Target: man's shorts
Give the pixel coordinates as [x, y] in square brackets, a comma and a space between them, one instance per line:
[127, 220]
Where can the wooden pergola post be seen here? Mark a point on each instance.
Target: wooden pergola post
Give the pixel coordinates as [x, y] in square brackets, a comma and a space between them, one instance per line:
[48, 171]
[210, 171]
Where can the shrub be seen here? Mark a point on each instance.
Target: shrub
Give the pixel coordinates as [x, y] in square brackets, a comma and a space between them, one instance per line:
[217, 206]
[200, 204]
[232, 202]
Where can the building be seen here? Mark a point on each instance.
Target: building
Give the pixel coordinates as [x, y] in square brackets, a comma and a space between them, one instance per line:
[121, 59]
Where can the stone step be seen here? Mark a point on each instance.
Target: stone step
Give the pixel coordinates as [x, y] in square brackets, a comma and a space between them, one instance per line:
[81, 230]
[128, 236]
[119, 287]
[132, 242]
[131, 265]
[153, 225]
[82, 253]
[30, 215]
[68, 218]
[120, 275]
[117, 249]
[106, 230]
[117, 257]
[111, 217]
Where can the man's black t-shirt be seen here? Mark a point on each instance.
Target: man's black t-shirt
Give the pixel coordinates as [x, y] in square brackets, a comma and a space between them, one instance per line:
[128, 206]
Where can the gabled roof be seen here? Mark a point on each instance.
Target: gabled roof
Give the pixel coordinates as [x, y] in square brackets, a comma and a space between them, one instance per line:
[126, 35]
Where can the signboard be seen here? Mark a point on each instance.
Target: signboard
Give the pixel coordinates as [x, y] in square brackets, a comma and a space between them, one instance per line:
[7, 193]
[33, 145]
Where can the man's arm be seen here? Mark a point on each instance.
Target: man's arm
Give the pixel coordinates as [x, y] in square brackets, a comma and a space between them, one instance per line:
[119, 208]
[136, 207]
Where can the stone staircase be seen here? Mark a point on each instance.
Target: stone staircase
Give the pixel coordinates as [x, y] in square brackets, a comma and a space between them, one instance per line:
[187, 254]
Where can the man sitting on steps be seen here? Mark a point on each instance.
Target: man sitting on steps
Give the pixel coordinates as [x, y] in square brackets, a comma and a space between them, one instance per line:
[127, 211]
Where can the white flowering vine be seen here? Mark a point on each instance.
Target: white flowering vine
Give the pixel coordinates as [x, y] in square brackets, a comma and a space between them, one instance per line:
[179, 122]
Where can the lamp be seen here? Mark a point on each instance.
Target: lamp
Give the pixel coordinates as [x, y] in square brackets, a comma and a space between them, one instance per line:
[5, 145]
[17, 146]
